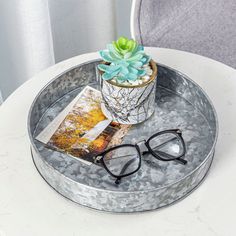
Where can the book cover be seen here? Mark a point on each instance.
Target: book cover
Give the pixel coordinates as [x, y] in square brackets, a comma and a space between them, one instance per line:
[81, 130]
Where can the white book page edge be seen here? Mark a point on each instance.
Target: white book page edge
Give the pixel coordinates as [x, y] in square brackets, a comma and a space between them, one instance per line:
[45, 135]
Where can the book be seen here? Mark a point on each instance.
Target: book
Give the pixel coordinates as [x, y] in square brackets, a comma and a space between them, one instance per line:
[81, 130]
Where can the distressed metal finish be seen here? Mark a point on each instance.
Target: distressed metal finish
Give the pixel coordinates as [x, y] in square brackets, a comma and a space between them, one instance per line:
[180, 103]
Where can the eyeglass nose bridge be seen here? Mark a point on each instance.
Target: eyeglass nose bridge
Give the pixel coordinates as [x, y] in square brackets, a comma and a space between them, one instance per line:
[142, 145]
[141, 141]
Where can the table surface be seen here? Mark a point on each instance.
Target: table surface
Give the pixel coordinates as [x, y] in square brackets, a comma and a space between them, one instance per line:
[28, 206]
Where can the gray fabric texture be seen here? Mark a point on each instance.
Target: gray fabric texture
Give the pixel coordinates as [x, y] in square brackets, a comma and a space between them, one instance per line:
[205, 27]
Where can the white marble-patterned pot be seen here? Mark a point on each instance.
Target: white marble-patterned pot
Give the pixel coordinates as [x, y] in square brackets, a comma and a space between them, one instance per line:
[129, 104]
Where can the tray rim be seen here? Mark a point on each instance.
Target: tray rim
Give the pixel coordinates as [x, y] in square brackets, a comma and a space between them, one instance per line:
[129, 212]
[33, 145]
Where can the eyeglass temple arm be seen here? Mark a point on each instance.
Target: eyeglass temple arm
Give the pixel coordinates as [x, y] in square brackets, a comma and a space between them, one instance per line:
[178, 159]
[124, 169]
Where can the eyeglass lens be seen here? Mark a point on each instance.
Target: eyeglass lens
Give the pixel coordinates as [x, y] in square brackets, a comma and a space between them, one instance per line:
[122, 161]
[167, 143]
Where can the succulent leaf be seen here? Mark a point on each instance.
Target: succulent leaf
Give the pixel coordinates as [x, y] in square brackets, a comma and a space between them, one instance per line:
[121, 79]
[136, 64]
[126, 60]
[108, 76]
[106, 57]
[132, 77]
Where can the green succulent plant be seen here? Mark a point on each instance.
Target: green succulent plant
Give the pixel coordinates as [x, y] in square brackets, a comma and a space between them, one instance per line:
[124, 46]
[125, 60]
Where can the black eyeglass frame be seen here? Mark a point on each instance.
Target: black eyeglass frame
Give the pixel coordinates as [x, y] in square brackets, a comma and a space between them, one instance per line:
[160, 156]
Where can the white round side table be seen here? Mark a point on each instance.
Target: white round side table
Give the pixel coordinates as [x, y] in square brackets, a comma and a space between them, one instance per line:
[28, 206]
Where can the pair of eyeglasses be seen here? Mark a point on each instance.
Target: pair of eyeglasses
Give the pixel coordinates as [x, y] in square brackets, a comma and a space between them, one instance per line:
[124, 160]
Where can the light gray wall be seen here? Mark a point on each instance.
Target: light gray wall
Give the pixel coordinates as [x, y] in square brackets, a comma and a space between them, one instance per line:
[71, 35]
[76, 27]
[25, 42]
[123, 9]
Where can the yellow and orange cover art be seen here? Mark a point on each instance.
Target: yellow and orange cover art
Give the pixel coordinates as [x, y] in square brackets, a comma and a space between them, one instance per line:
[85, 131]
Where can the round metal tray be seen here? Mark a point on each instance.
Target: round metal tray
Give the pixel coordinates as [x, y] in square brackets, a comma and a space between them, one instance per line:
[180, 103]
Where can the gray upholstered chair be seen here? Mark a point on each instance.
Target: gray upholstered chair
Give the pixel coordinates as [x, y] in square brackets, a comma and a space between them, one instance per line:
[205, 27]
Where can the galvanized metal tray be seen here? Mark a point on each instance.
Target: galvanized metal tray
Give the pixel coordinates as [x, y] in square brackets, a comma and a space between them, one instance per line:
[180, 103]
